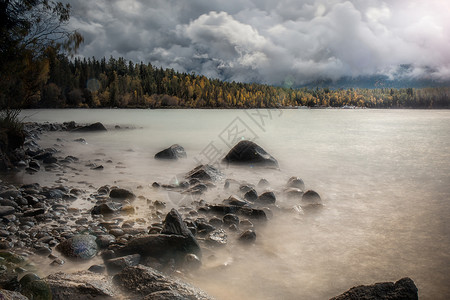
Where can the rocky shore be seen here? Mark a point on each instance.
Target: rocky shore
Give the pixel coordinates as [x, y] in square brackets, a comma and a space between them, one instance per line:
[135, 258]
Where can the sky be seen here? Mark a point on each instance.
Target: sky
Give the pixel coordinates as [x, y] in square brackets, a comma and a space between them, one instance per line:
[272, 41]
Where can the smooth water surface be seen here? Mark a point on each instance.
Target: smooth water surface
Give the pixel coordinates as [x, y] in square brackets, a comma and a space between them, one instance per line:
[383, 175]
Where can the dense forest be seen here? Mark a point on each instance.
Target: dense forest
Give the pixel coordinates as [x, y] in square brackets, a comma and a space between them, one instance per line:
[121, 83]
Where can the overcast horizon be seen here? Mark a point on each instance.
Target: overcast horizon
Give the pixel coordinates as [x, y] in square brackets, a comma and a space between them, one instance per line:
[272, 41]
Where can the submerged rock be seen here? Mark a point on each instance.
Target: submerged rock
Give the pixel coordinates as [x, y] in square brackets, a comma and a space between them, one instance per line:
[249, 153]
[92, 127]
[173, 152]
[11, 295]
[404, 289]
[79, 246]
[145, 281]
[296, 182]
[311, 197]
[121, 194]
[205, 173]
[266, 198]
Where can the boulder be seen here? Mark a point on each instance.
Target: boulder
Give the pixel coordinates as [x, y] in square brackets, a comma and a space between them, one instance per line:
[404, 289]
[90, 128]
[80, 286]
[121, 194]
[147, 282]
[205, 173]
[79, 246]
[249, 153]
[266, 198]
[173, 152]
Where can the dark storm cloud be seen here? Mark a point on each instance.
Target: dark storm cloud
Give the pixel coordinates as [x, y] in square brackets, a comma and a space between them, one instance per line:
[272, 41]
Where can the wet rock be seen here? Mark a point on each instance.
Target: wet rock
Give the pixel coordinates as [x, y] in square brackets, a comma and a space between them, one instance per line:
[215, 221]
[230, 219]
[97, 168]
[80, 140]
[97, 269]
[116, 265]
[10, 194]
[92, 127]
[34, 287]
[205, 173]
[173, 152]
[197, 189]
[249, 153]
[203, 226]
[217, 238]
[251, 195]
[404, 289]
[266, 198]
[121, 194]
[253, 213]
[80, 286]
[11, 295]
[296, 182]
[50, 160]
[104, 240]
[6, 210]
[293, 193]
[156, 185]
[192, 262]
[263, 183]
[43, 250]
[145, 281]
[53, 193]
[311, 197]
[248, 236]
[34, 212]
[160, 246]
[79, 246]
[235, 200]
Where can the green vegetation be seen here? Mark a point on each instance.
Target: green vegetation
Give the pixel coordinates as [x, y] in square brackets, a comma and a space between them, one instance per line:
[119, 83]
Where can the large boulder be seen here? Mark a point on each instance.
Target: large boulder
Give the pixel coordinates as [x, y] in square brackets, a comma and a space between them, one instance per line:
[80, 246]
[173, 152]
[92, 127]
[149, 283]
[80, 286]
[249, 153]
[404, 289]
[121, 194]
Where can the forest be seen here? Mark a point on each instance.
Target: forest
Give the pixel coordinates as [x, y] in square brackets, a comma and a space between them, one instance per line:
[121, 83]
[124, 84]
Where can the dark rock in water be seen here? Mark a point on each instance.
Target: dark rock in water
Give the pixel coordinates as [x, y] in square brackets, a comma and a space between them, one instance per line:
[156, 185]
[249, 153]
[50, 160]
[173, 224]
[204, 226]
[173, 152]
[121, 194]
[80, 140]
[35, 288]
[34, 164]
[197, 189]
[263, 183]
[97, 269]
[53, 194]
[192, 262]
[404, 289]
[80, 286]
[205, 173]
[11, 295]
[251, 195]
[92, 127]
[253, 213]
[293, 193]
[106, 208]
[229, 219]
[160, 246]
[145, 281]
[215, 221]
[296, 182]
[97, 168]
[311, 197]
[217, 238]
[266, 198]
[235, 200]
[79, 246]
[6, 210]
[248, 236]
[245, 188]
[116, 265]
[34, 212]
[10, 194]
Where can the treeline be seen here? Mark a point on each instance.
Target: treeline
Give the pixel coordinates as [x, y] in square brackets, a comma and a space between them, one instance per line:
[121, 83]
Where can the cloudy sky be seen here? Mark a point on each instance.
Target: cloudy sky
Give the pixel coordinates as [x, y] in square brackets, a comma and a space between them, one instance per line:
[271, 41]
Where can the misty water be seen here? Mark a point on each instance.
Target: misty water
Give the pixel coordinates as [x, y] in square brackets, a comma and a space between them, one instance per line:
[383, 175]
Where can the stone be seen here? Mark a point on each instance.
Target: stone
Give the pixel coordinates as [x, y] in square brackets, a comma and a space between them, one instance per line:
[50, 160]
[146, 281]
[296, 182]
[79, 246]
[116, 265]
[104, 240]
[6, 210]
[249, 153]
[266, 198]
[35, 288]
[106, 208]
[11, 295]
[205, 173]
[404, 289]
[92, 127]
[80, 286]
[97, 269]
[263, 183]
[235, 200]
[251, 195]
[229, 219]
[311, 197]
[217, 238]
[173, 152]
[293, 193]
[121, 194]
[248, 236]
[192, 262]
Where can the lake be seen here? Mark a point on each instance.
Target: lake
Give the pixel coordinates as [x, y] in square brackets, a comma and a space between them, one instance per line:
[383, 175]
